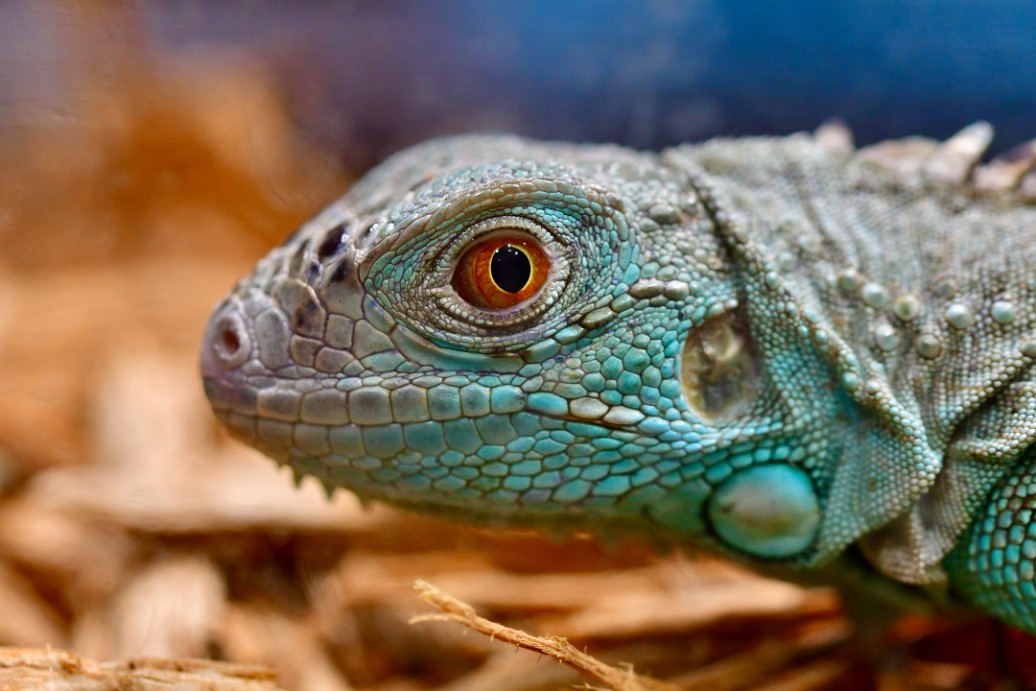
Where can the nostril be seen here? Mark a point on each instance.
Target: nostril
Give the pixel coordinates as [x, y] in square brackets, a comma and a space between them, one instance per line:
[229, 341]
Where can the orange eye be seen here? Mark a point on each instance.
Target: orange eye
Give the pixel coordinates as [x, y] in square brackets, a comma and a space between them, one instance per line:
[501, 271]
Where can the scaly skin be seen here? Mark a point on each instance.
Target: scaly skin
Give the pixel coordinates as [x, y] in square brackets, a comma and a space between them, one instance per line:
[803, 356]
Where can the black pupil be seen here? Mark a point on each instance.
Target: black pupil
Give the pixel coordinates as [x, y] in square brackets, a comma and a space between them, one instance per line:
[510, 268]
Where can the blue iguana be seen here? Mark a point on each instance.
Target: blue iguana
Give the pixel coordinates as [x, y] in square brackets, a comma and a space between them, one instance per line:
[810, 357]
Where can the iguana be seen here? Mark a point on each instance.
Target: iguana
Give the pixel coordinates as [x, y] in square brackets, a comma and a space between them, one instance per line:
[806, 356]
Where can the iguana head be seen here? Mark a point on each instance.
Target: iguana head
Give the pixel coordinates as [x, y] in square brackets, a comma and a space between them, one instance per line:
[496, 328]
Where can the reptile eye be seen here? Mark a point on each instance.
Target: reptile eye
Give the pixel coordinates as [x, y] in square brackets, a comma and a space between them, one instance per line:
[501, 271]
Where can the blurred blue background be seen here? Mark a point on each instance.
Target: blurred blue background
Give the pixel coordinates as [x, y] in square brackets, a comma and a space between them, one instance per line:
[366, 78]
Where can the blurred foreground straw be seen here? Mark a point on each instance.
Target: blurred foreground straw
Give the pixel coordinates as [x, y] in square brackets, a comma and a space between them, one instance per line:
[28, 668]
